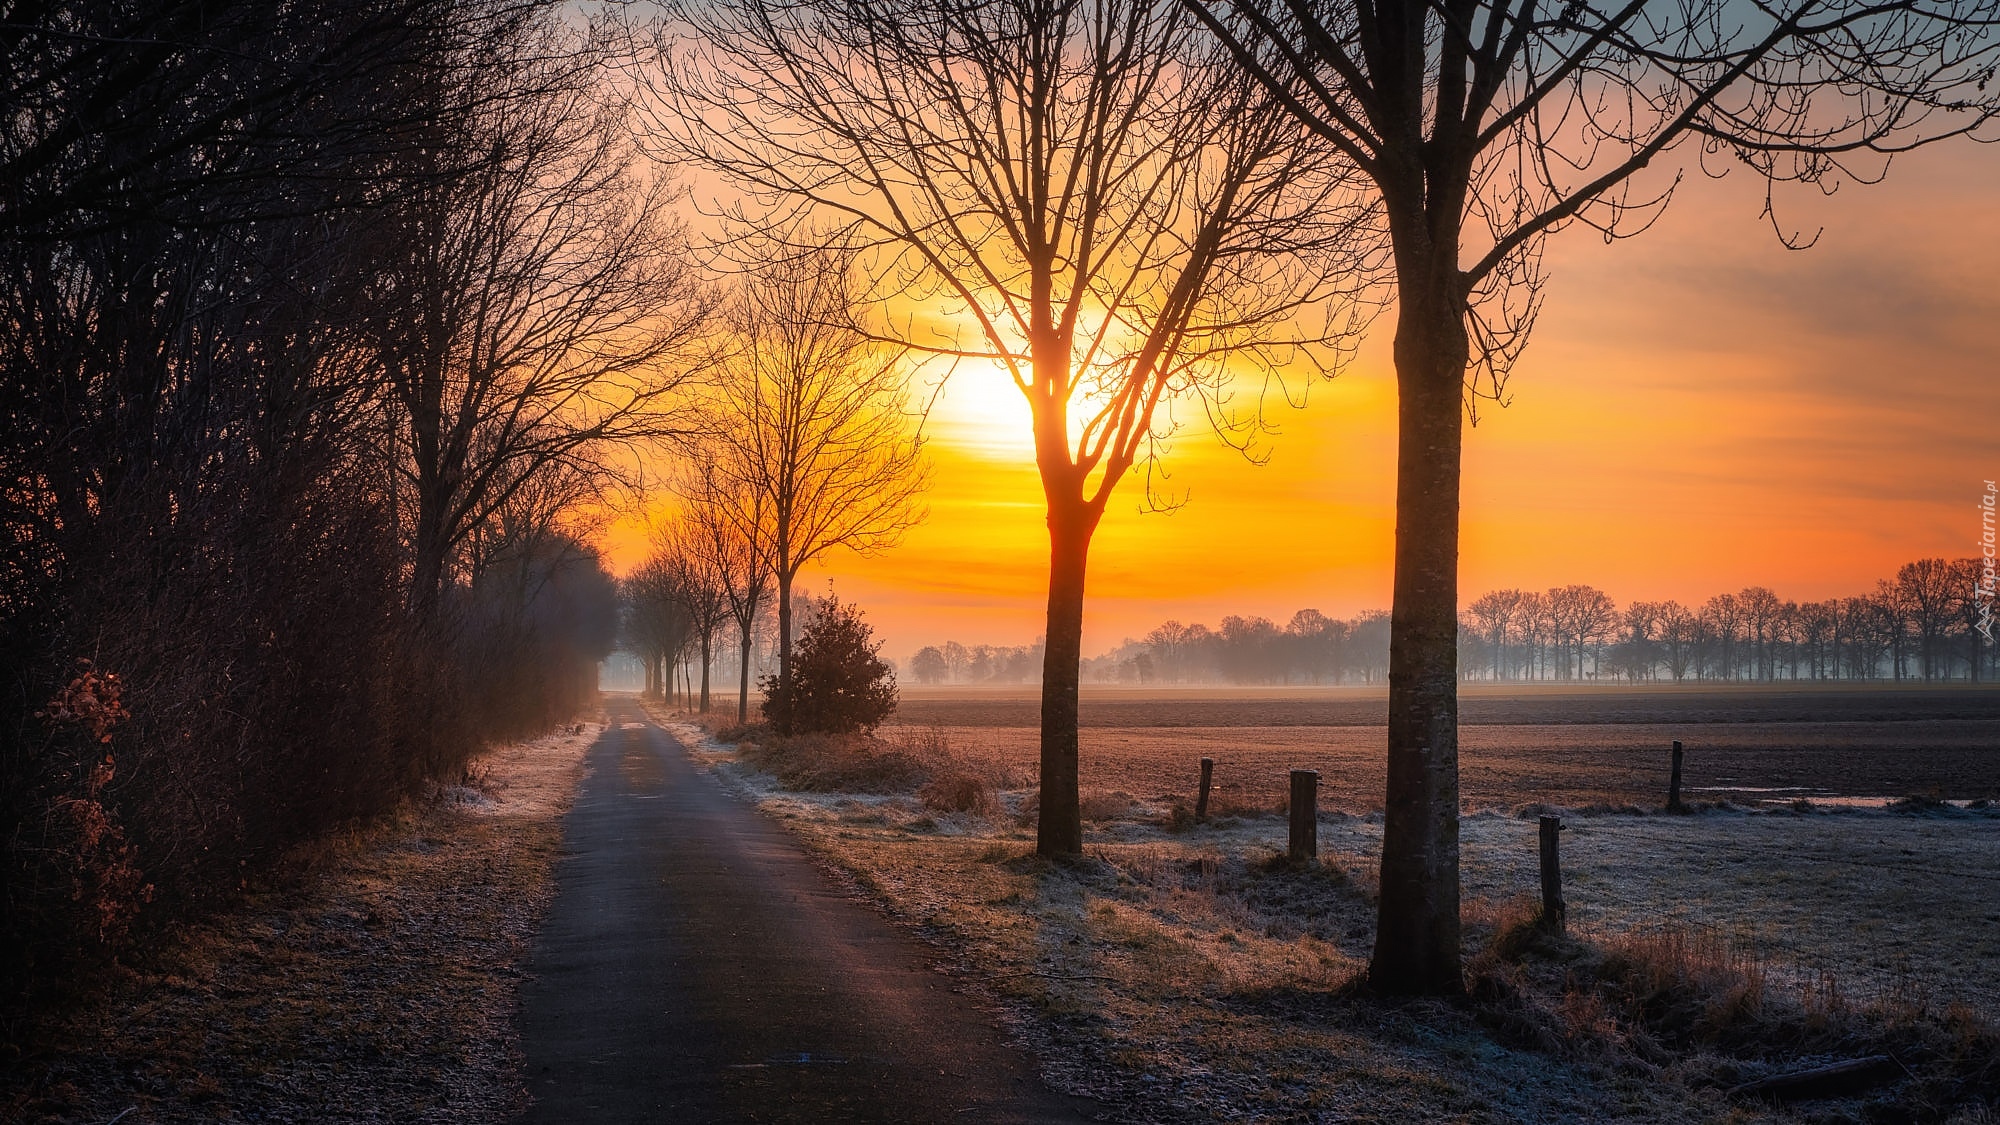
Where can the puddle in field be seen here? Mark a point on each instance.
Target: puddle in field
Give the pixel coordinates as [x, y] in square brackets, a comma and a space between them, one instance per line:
[1818, 797]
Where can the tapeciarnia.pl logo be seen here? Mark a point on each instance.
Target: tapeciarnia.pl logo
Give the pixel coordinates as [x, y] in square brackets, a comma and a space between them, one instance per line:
[1986, 589]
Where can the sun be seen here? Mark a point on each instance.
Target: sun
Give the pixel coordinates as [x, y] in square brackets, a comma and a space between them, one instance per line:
[978, 410]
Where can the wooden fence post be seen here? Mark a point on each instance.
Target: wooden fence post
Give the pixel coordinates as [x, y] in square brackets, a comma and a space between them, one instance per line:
[1201, 798]
[1674, 782]
[1555, 913]
[1305, 816]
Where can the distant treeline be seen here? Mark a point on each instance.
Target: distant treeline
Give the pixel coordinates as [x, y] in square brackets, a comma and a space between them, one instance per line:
[1311, 648]
[954, 663]
[1920, 625]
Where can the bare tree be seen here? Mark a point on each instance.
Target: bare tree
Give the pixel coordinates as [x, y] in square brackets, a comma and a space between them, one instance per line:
[1316, 640]
[658, 625]
[537, 308]
[1105, 212]
[1723, 615]
[1928, 589]
[1679, 635]
[1494, 612]
[809, 423]
[1760, 609]
[1488, 125]
[725, 517]
[1537, 622]
[1895, 618]
[1169, 642]
[702, 578]
[1869, 635]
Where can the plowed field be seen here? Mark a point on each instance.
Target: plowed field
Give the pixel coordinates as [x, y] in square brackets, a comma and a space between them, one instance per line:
[1561, 746]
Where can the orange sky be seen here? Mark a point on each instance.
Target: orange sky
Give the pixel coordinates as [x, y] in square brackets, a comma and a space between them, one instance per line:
[1700, 410]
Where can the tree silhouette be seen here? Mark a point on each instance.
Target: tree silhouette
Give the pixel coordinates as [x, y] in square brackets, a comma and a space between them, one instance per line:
[1930, 590]
[807, 421]
[536, 310]
[1488, 125]
[928, 666]
[839, 684]
[1494, 612]
[727, 529]
[1105, 213]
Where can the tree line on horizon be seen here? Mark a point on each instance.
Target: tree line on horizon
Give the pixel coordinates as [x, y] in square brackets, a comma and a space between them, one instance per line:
[1921, 624]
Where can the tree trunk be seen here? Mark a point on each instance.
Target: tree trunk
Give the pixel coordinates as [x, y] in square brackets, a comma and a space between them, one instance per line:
[743, 679]
[1417, 933]
[707, 642]
[427, 564]
[1059, 832]
[785, 649]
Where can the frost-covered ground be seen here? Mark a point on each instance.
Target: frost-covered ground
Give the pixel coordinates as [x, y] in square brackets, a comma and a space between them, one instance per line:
[1187, 976]
[374, 981]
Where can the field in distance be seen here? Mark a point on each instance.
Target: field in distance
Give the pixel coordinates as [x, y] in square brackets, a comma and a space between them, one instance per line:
[1572, 745]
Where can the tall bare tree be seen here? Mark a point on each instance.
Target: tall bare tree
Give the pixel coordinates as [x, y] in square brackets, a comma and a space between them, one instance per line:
[539, 308]
[1761, 609]
[809, 423]
[726, 526]
[1488, 125]
[1104, 210]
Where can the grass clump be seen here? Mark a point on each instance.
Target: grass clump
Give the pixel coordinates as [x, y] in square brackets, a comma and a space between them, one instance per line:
[1689, 1002]
[908, 762]
[835, 763]
[956, 790]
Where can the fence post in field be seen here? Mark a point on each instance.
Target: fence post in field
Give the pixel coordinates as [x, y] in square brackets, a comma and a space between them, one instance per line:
[1674, 782]
[1201, 798]
[1554, 912]
[1305, 816]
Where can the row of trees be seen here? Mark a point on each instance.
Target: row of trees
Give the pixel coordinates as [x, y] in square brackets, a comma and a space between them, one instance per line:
[955, 663]
[1923, 624]
[806, 444]
[1310, 648]
[319, 323]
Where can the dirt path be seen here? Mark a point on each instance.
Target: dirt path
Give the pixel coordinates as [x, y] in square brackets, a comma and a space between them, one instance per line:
[695, 966]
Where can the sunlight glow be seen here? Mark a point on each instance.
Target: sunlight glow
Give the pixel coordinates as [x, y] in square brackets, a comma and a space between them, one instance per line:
[978, 410]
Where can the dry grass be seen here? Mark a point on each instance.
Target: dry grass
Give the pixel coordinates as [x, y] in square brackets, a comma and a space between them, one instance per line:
[1183, 972]
[372, 979]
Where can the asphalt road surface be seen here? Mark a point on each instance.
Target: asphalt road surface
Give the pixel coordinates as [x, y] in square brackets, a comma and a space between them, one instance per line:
[696, 967]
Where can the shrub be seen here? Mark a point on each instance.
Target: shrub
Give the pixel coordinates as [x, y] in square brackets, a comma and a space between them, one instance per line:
[962, 792]
[838, 683]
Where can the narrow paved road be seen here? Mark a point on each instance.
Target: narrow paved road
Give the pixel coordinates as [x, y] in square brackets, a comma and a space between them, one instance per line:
[695, 967]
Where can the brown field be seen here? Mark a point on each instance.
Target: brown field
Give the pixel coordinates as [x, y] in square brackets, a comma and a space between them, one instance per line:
[1520, 745]
[1180, 973]
[1877, 898]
